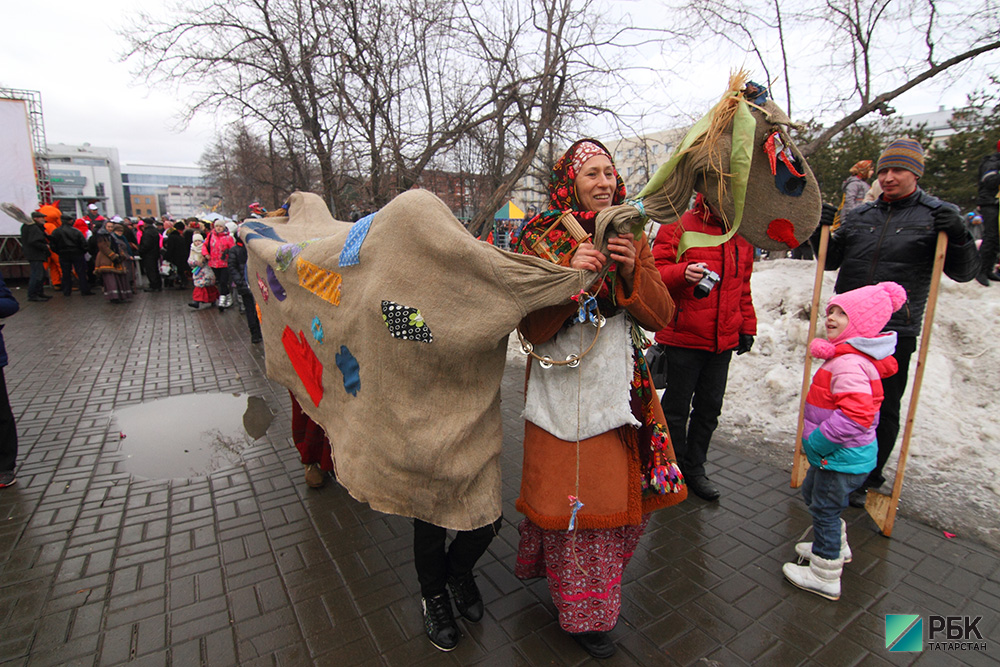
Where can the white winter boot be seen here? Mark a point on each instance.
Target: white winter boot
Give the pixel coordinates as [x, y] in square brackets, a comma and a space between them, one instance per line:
[804, 549]
[820, 576]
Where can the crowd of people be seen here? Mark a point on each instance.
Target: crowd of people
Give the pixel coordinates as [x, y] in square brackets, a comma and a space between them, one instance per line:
[114, 255]
[642, 452]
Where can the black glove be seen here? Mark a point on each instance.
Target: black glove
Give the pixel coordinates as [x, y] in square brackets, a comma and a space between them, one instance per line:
[949, 221]
[746, 342]
[827, 215]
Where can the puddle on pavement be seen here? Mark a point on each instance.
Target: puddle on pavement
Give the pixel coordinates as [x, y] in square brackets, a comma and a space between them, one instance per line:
[189, 436]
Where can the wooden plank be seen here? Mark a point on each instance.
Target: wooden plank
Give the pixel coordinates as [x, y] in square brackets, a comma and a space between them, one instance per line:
[800, 464]
[881, 507]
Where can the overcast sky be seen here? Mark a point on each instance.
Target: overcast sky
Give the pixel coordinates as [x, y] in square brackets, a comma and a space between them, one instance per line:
[69, 51]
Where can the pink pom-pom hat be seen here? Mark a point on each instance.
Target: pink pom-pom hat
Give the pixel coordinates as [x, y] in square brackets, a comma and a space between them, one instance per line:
[868, 309]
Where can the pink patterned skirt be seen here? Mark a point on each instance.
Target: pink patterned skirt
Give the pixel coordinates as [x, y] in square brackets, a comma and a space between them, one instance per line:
[584, 569]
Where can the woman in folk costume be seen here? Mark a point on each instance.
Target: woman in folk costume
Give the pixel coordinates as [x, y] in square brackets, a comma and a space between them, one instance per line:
[597, 456]
[111, 264]
[205, 290]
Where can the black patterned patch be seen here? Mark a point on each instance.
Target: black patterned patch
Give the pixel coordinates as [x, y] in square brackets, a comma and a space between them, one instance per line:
[405, 323]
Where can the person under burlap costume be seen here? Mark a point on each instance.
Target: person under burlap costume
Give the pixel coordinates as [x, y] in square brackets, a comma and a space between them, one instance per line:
[620, 467]
[391, 333]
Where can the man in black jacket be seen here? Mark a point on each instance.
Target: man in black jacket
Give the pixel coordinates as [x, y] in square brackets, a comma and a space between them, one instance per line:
[894, 238]
[149, 255]
[989, 189]
[35, 246]
[68, 242]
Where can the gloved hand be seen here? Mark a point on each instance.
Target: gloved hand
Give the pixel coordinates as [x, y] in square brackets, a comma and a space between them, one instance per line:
[827, 215]
[949, 221]
[746, 342]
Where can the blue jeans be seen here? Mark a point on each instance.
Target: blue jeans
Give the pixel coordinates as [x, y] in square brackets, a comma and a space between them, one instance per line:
[36, 278]
[825, 493]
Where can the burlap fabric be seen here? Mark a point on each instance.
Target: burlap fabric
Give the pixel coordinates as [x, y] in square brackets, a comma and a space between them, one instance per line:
[773, 219]
[409, 346]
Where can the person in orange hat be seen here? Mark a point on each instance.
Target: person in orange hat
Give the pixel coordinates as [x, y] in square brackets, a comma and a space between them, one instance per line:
[856, 186]
[53, 220]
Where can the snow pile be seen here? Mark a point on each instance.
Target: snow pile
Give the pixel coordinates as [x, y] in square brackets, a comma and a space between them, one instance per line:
[953, 471]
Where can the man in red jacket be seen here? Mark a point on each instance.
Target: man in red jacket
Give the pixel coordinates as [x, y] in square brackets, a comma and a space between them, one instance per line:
[713, 318]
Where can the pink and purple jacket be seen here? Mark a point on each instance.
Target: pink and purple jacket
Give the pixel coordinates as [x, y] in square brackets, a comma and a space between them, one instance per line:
[216, 248]
[843, 403]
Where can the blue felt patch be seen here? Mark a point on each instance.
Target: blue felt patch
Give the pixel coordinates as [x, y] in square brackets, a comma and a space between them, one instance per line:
[317, 330]
[787, 182]
[348, 366]
[262, 229]
[276, 288]
[351, 254]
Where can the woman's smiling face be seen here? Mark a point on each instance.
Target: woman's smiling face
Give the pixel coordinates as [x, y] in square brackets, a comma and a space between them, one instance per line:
[595, 184]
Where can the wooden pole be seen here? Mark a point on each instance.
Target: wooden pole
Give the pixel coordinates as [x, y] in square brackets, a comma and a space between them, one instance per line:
[881, 507]
[800, 464]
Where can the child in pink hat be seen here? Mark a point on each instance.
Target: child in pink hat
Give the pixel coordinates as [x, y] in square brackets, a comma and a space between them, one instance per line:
[841, 414]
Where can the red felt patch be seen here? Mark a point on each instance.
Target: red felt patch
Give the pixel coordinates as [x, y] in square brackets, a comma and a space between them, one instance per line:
[783, 231]
[305, 363]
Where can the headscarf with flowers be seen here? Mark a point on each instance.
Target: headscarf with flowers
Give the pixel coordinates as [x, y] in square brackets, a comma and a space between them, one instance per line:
[563, 197]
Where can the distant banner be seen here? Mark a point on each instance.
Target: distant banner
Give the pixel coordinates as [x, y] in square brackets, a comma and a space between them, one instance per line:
[17, 168]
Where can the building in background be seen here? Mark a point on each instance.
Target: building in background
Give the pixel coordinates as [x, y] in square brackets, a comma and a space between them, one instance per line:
[157, 190]
[638, 158]
[84, 174]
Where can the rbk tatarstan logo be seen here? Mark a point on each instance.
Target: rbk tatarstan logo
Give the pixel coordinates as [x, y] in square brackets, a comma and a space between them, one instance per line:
[904, 632]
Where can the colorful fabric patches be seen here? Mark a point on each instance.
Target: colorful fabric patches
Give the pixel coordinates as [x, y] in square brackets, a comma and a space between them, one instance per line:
[785, 166]
[406, 323]
[260, 230]
[264, 291]
[351, 254]
[307, 366]
[349, 368]
[275, 284]
[324, 284]
[317, 329]
[287, 253]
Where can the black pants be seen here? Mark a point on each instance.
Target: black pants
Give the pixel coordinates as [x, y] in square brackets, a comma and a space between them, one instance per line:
[8, 429]
[222, 279]
[990, 248]
[888, 415]
[151, 267]
[434, 564]
[68, 263]
[250, 306]
[692, 402]
[183, 273]
[36, 278]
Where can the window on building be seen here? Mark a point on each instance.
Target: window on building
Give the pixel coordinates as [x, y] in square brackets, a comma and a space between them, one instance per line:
[99, 189]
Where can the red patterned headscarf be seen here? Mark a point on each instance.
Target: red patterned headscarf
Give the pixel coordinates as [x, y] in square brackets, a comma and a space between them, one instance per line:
[563, 197]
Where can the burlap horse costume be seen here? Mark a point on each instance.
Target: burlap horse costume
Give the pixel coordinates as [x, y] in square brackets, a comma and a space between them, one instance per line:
[392, 334]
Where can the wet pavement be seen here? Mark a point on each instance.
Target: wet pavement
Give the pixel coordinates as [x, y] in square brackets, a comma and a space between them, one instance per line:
[102, 562]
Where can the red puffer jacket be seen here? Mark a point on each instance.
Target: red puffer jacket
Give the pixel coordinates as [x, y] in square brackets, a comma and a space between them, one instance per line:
[715, 322]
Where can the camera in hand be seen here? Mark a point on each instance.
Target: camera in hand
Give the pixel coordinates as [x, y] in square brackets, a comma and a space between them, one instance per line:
[709, 280]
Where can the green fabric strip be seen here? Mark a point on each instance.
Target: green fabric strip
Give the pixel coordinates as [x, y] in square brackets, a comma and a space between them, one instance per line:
[739, 166]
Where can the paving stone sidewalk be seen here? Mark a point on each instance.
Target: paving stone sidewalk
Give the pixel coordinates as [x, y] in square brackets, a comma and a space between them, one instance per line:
[246, 565]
